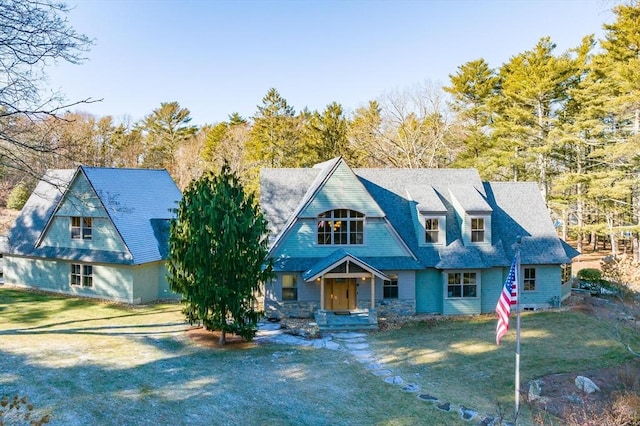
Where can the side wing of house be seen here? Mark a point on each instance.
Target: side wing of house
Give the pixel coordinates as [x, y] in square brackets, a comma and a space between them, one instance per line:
[75, 250]
[66, 239]
[520, 210]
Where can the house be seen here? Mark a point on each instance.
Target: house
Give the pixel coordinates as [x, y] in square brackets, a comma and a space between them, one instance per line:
[374, 242]
[95, 232]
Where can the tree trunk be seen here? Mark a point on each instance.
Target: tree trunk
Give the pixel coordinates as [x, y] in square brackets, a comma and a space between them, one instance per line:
[612, 236]
[223, 338]
[634, 245]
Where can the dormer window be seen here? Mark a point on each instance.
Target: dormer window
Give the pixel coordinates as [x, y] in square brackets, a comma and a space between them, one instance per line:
[432, 230]
[341, 227]
[477, 230]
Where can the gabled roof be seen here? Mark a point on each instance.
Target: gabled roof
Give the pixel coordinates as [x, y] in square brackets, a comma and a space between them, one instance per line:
[139, 203]
[469, 199]
[338, 257]
[517, 209]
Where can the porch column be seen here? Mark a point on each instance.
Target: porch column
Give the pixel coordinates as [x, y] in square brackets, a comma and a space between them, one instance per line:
[373, 291]
[322, 293]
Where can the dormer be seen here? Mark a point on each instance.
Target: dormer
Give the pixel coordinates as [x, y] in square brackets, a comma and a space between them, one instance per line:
[474, 213]
[432, 218]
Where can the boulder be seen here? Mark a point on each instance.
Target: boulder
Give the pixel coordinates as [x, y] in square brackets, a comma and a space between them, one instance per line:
[535, 390]
[585, 384]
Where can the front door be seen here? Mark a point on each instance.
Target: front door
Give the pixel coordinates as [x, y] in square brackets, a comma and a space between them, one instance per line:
[340, 294]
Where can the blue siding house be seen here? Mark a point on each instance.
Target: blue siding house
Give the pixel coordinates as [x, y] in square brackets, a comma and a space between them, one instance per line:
[95, 232]
[374, 242]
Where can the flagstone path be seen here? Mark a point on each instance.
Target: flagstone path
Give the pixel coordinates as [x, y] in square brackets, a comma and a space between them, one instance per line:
[356, 344]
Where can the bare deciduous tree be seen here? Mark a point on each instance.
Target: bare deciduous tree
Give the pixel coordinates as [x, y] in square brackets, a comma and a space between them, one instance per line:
[415, 128]
[34, 34]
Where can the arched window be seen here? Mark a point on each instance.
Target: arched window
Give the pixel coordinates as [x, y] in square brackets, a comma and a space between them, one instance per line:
[341, 227]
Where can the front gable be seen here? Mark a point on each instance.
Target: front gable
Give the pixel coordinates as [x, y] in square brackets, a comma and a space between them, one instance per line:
[81, 202]
[337, 197]
[342, 190]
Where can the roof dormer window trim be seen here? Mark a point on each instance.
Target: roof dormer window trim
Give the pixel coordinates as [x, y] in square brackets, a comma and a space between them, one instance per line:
[340, 227]
[433, 229]
[478, 229]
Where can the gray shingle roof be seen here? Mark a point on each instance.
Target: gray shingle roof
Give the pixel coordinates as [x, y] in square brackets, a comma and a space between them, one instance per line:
[139, 202]
[517, 209]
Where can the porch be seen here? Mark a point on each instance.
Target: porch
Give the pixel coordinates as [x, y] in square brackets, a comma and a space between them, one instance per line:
[357, 319]
[343, 281]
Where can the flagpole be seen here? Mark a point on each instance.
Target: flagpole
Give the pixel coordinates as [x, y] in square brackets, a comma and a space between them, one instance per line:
[518, 292]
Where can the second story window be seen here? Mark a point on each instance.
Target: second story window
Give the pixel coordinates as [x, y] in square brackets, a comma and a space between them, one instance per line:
[341, 227]
[431, 233]
[477, 230]
[81, 228]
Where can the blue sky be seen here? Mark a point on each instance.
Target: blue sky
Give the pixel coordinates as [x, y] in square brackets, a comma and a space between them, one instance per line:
[218, 57]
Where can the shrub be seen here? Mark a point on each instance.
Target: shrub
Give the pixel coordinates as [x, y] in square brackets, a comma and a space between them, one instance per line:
[18, 196]
[591, 275]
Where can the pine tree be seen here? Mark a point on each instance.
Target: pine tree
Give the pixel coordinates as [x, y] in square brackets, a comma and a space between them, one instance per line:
[218, 255]
[326, 135]
[533, 90]
[472, 88]
[274, 140]
[164, 130]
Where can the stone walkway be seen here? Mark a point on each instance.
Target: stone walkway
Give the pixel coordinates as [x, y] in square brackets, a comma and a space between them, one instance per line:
[356, 344]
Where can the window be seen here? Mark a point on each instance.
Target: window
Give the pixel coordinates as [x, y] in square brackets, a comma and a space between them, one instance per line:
[462, 284]
[431, 227]
[341, 227]
[390, 288]
[477, 230]
[289, 287]
[81, 228]
[81, 275]
[566, 272]
[529, 281]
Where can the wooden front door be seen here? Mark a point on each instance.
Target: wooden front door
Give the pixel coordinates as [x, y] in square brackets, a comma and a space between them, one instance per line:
[340, 294]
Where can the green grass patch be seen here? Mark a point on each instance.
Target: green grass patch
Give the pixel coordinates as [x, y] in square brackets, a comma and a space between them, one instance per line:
[87, 362]
[456, 359]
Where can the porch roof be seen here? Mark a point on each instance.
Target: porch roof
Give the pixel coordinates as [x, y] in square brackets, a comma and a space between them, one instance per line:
[326, 264]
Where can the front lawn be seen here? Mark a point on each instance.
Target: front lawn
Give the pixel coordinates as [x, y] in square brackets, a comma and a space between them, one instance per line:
[84, 362]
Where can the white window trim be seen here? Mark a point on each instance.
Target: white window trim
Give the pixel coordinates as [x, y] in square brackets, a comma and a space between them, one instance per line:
[349, 220]
[468, 231]
[81, 236]
[445, 282]
[442, 236]
[82, 275]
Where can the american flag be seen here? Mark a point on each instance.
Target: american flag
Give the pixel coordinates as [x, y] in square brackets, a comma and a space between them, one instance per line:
[508, 297]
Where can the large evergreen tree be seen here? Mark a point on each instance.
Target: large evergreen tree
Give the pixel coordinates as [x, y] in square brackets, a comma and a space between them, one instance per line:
[472, 88]
[218, 254]
[274, 140]
[533, 89]
[326, 133]
[164, 130]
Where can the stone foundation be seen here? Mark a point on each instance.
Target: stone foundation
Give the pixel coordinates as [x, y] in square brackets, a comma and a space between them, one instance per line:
[404, 307]
[306, 309]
